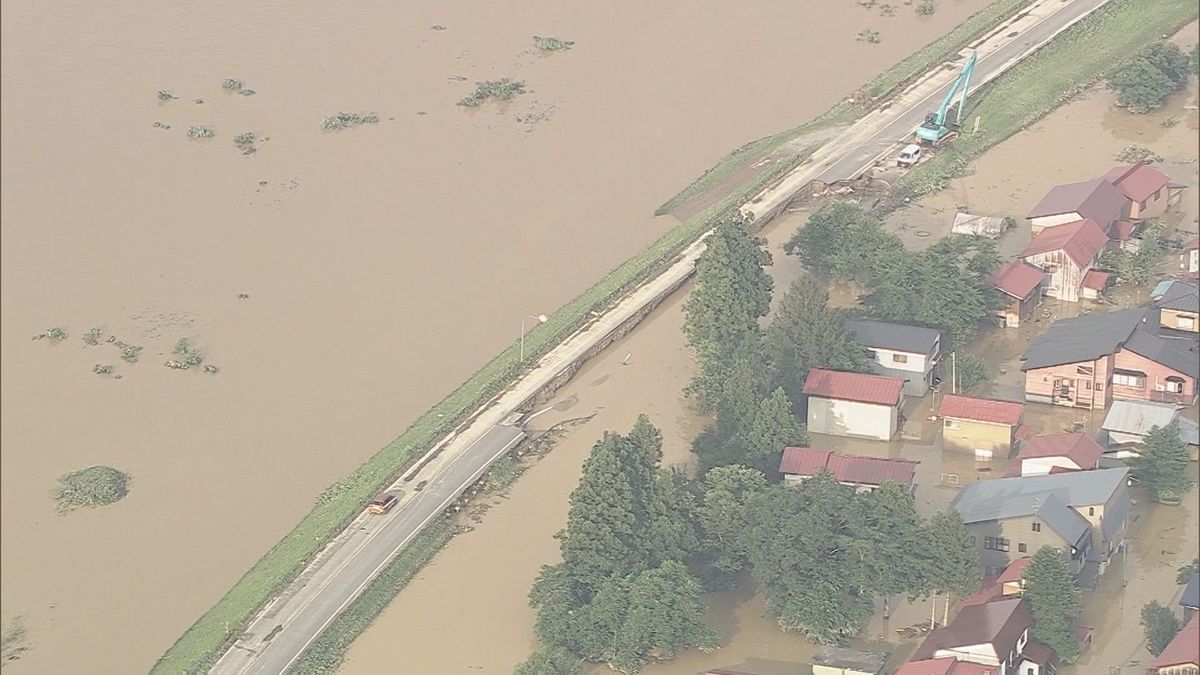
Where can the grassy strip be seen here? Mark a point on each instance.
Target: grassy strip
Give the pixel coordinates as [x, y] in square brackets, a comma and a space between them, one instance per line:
[326, 654]
[884, 85]
[1073, 62]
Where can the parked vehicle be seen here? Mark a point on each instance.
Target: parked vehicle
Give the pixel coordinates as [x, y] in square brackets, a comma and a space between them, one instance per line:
[909, 156]
[383, 502]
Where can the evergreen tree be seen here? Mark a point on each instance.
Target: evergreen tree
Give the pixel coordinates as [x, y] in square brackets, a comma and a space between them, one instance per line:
[773, 429]
[805, 333]
[842, 240]
[1160, 626]
[889, 542]
[732, 292]
[556, 600]
[951, 562]
[1163, 463]
[671, 529]
[722, 517]
[1053, 602]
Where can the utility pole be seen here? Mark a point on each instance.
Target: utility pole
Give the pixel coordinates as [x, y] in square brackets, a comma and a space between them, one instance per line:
[953, 372]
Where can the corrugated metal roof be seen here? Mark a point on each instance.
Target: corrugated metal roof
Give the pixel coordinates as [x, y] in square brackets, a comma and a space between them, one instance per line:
[855, 469]
[980, 226]
[981, 409]
[1138, 417]
[1178, 354]
[984, 500]
[895, 336]
[1178, 295]
[1061, 518]
[1079, 448]
[1083, 338]
[859, 387]
[1014, 571]
[1096, 199]
[1137, 181]
[1081, 241]
[1018, 279]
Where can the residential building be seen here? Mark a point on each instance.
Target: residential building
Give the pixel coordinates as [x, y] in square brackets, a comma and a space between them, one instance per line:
[1082, 513]
[910, 353]
[947, 665]
[1021, 285]
[1128, 422]
[1057, 453]
[1189, 600]
[1066, 253]
[842, 661]
[1010, 584]
[1149, 191]
[1182, 655]
[1087, 361]
[984, 427]
[864, 474]
[993, 634]
[854, 404]
[1178, 305]
[1097, 200]
[1094, 284]
[1189, 260]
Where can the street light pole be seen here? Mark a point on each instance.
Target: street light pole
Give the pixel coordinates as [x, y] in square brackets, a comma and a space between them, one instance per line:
[540, 318]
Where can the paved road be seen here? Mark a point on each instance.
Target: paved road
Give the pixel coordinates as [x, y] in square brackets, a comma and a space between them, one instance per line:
[342, 573]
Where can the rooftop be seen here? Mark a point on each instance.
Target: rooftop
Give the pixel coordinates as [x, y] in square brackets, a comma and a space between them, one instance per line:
[945, 666]
[1180, 354]
[1079, 448]
[1184, 648]
[1137, 181]
[981, 409]
[1015, 571]
[1191, 592]
[1083, 338]
[896, 336]
[1096, 199]
[1018, 279]
[854, 469]
[1081, 241]
[998, 623]
[1095, 280]
[1179, 295]
[1138, 417]
[839, 657]
[859, 387]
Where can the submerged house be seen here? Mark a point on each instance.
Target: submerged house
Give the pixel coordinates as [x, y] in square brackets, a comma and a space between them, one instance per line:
[1058, 453]
[1150, 192]
[1179, 305]
[983, 427]
[1128, 423]
[910, 353]
[991, 638]
[1096, 200]
[1021, 285]
[864, 474]
[1066, 254]
[854, 404]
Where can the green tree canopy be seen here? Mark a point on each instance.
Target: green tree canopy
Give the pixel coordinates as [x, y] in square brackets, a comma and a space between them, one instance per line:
[1147, 79]
[805, 333]
[1053, 602]
[1163, 463]
[891, 535]
[1160, 626]
[550, 661]
[774, 428]
[842, 240]
[952, 561]
[722, 516]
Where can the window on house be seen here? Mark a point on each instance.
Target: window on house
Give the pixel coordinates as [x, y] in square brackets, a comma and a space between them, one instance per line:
[1129, 378]
[1157, 194]
[1037, 527]
[1175, 384]
[951, 424]
[1185, 322]
[1141, 206]
[1091, 510]
[974, 541]
[996, 544]
[899, 358]
[1022, 548]
[1084, 370]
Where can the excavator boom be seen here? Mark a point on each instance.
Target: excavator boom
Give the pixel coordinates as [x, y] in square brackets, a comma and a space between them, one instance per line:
[934, 127]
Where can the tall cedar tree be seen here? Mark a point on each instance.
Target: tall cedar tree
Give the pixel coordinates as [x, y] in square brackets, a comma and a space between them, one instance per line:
[1163, 463]
[891, 534]
[732, 292]
[952, 563]
[805, 333]
[722, 517]
[773, 429]
[1160, 626]
[1053, 602]
[842, 240]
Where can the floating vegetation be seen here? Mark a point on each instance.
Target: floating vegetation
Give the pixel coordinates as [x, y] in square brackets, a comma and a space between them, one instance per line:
[867, 4]
[348, 120]
[106, 369]
[437, 26]
[129, 353]
[200, 132]
[92, 337]
[211, 369]
[54, 334]
[161, 125]
[869, 36]
[1169, 122]
[887, 10]
[504, 89]
[14, 641]
[197, 101]
[245, 143]
[551, 44]
[94, 486]
[243, 296]
[177, 365]
[535, 116]
[164, 95]
[191, 355]
[925, 8]
[1136, 153]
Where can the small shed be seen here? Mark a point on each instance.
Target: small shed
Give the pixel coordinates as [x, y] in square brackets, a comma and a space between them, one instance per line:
[981, 426]
[1128, 422]
[1094, 284]
[1021, 285]
[980, 226]
[841, 661]
[854, 404]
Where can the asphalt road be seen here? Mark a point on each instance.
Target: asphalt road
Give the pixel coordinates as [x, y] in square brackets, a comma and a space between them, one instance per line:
[348, 571]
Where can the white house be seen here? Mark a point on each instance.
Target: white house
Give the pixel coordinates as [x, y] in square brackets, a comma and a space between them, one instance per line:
[1055, 453]
[853, 404]
[1066, 253]
[909, 353]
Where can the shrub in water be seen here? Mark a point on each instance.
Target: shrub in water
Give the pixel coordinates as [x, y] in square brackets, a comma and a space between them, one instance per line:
[93, 486]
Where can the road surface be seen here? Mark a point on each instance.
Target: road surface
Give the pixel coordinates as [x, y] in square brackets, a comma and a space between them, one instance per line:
[281, 633]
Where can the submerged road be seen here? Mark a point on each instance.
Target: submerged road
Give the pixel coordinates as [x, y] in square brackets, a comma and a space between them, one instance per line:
[281, 633]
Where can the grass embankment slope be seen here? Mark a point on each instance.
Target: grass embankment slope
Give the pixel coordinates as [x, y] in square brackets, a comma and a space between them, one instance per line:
[886, 84]
[1077, 59]
[202, 644]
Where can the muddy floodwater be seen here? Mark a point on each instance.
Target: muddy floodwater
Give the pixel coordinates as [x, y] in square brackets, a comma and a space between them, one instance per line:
[341, 281]
[467, 611]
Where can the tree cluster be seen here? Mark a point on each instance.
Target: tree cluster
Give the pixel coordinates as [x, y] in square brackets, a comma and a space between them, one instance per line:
[1140, 266]
[1053, 602]
[1153, 74]
[942, 287]
[1162, 463]
[1159, 625]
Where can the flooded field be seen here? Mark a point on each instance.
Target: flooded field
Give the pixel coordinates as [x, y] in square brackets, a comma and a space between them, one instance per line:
[341, 281]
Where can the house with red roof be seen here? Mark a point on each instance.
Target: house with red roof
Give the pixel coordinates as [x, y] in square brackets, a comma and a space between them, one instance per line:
[1096, 200]
[991, 637]
[1010, 584]
[1181, 655]
[1150, 192]
[854, 404]
[1021, 285]
[1056, 453]
[1066, 253]
[984, 427]
[864, 474]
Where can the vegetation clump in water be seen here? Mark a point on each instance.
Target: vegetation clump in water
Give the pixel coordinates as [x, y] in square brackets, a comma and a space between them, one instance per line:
[14, 641]
[926, 8]
[551, 44]
[164, 95]
[106, 369]
[90, 487]
[869, 36]
[161, 125]
[504, 89]
[191, 355]
[92, 337]
[55, 334]
[236, 86]
[1136, 153]
[348, 121]
[200, 132]
[245, 143]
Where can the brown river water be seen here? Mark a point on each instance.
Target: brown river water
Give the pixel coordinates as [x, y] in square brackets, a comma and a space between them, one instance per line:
[382, 265]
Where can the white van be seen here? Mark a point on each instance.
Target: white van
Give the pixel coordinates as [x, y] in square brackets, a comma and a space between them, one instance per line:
[909, 156]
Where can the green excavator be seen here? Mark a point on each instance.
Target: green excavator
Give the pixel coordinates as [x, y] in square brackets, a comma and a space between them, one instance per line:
[933, 131]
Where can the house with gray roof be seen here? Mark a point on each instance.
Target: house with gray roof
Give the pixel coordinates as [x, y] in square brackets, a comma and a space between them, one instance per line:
[1082, 513]
[1179, 305]
[1088, 361]
[1128, 422]
[910, 353]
